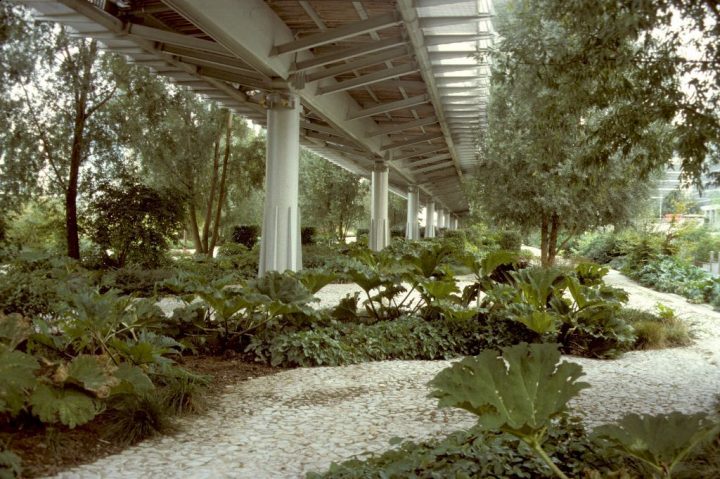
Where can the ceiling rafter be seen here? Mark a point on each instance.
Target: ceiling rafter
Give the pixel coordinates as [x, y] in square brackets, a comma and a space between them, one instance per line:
[430, 120]
[382, 57]
[368, 79]
[332, 35]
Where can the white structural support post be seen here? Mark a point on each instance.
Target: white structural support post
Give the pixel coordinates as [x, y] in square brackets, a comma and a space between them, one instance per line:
[448, 219]
[430, 220]
[379, 228]
[280, 246]
[412, 230]
[440, 218]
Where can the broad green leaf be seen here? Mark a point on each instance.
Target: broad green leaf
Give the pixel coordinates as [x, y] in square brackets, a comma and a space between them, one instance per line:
[17, 378]
[314, 281]
[520, 391]
[94, 373]
[541, 322]
[10, 465]
[494, 259]
[661, 441]
[439, 289]
[66, 406]
[14, 329]
[133, 380]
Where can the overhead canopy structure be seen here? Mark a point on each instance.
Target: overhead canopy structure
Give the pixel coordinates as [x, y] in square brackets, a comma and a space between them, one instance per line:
[402, 80]
[394, 90]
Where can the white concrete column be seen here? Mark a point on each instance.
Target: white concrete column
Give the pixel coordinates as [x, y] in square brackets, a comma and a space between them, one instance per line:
[430, 220]
[440, 218]
[412, 230]
[280, 245]
[448, 219]
[379, 228]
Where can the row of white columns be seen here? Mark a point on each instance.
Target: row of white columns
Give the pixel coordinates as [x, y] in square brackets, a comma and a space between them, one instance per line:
[280, 248]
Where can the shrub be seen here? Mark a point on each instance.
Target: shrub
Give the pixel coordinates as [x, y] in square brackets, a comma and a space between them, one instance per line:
[246, 235]
[338, 344]
[134, 418]
[136, 222]
[307, 235]
[135, 280]
[656, 331]
[509, 240]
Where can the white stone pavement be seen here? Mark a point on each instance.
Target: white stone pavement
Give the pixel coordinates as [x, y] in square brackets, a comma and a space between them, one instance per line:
[285, 425]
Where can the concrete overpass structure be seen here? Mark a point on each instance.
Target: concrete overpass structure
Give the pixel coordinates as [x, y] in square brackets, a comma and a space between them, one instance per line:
[394, 90]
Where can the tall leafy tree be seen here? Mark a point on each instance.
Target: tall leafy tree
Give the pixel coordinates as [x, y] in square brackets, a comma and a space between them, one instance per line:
[55, 125]
[573, 131]
[331, 198]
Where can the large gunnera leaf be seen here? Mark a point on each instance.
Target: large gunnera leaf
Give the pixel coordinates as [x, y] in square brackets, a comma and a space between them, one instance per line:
[518, 392]
[661, 441]
[17, 377]
[67, 406]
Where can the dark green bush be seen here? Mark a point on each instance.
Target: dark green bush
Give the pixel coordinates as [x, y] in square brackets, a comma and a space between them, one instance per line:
[136, 222]
[246, 235]
[307, 235]
[135, 280]
[348, 343]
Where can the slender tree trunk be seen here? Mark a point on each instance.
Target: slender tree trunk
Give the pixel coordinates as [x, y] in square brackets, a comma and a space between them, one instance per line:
[211, 196]
[76, 151]
[194, 231]
[553, 240]
[223, 181]
[544, 241]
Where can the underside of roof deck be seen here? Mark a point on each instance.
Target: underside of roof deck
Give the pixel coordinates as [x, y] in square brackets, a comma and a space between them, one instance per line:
[397, 80]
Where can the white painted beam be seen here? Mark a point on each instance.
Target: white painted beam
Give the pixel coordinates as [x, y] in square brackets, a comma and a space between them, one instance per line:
[388, 107]
[368, 79]
[412, 141]
[382, 57]
[347, 53]
[333, 35]
[419, 152]
[387, 130]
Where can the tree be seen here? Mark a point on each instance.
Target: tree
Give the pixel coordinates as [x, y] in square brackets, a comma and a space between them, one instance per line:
[331, 198]
[553, 157]
[193, 147]
[58, 93]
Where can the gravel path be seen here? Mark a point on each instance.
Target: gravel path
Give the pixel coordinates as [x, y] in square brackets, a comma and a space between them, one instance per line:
[284, 425]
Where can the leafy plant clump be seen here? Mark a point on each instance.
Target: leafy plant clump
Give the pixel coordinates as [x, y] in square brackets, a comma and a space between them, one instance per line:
[479, 453]
[657, 331]
[347, 343]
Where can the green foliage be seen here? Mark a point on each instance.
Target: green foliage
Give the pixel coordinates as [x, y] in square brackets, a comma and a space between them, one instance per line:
[10, 465]
[660, 442]
[478, 453]
[39, 226]
[664, 330]
[17, 378]
[136, 222]
[518, 393]
[65, 406]
[339, 344]
[331, 198]
[246, 235]
[30, 283]
[133, 418]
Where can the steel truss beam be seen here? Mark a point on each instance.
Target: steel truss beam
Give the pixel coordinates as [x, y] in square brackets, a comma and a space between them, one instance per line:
[368, 79]
[337, 34]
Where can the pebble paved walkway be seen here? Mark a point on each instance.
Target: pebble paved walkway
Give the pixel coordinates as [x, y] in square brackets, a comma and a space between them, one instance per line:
[284, 425]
